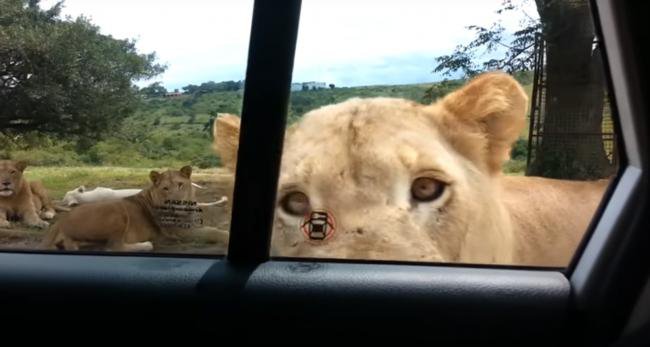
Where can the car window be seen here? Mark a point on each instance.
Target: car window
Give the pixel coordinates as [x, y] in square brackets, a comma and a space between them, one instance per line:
[457, 132]
[107, 112]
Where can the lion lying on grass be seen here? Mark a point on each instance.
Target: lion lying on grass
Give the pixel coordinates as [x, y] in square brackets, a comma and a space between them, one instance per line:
[399, 180]
[131, 223]
[22, 200]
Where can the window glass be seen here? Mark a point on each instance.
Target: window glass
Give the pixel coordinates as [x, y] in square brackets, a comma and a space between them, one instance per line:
[463, 131]
[107, 112]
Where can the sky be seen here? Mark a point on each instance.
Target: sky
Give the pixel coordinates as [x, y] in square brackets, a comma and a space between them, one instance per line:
[347, 43]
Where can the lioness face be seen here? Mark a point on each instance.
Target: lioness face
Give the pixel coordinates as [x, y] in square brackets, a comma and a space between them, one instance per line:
[399, 180]
[390, 193]
[172, 185]
[395, 186]
[11, 175]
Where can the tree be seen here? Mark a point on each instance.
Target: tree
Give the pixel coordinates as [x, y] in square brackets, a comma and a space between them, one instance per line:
[575, 93]
[154, 90]
[209, 124]
[574, 80]
[332, 86]
[64, 77]
[211, 87]
[190, 88]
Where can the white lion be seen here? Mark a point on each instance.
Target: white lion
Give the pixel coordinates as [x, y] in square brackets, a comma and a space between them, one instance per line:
[81, 195]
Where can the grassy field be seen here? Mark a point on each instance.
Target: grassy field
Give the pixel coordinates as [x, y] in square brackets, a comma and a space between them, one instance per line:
[59, 180]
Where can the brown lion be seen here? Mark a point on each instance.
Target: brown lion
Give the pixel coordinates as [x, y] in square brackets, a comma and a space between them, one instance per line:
[399, 180]
[131, 223]
[22, 200]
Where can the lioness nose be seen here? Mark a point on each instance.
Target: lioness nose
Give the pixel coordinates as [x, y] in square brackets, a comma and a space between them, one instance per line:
[6, 183]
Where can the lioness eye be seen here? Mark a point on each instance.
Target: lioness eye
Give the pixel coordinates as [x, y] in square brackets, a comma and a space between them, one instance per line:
[426, 189]
[165, 188]
[180, 186]
[295, 203]
[12, 172]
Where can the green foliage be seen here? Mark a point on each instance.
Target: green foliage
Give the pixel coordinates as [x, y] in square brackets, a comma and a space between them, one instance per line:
[37, 150]
[59, 155]
[171, 131]
[440, 89]
[153, 90]
[211, 87]
[519, 149]
[515, 167]
[304, 101]
[508, 51]
[63, 77]
[563, 164]
[112, 152]
[573, 82]
[523, 77]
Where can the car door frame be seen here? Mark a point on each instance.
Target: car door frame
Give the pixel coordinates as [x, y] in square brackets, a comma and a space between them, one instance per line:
[247, 295]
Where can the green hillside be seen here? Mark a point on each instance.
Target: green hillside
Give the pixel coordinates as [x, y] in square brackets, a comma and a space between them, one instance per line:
[175, 131]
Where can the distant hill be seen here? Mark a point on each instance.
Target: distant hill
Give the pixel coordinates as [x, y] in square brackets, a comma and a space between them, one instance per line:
[172, 131]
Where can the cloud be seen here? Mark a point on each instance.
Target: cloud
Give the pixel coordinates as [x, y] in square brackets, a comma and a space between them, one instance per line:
[357, 42]
[402, 69]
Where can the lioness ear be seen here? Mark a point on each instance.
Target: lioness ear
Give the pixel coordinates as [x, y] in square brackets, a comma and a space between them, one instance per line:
[186, 171]
[225, 131]
[154, 176]
[21, 165]
[81, 189]
[483, 118]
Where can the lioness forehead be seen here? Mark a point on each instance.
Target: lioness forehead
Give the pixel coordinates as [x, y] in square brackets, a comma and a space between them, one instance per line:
[174, 176]
[359, 123]
[7, 165]
[363, 137]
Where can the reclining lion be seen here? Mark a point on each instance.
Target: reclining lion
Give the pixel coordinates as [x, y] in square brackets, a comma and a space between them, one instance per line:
[20, 199]
[131, 223]
[397, 180]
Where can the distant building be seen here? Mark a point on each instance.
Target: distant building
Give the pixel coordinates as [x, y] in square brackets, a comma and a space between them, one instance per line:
[308, 86]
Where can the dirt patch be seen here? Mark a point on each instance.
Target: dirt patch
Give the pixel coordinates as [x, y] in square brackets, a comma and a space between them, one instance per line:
[212, 239]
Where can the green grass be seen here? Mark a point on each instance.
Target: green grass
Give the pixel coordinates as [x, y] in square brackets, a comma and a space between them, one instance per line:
[59, 180]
